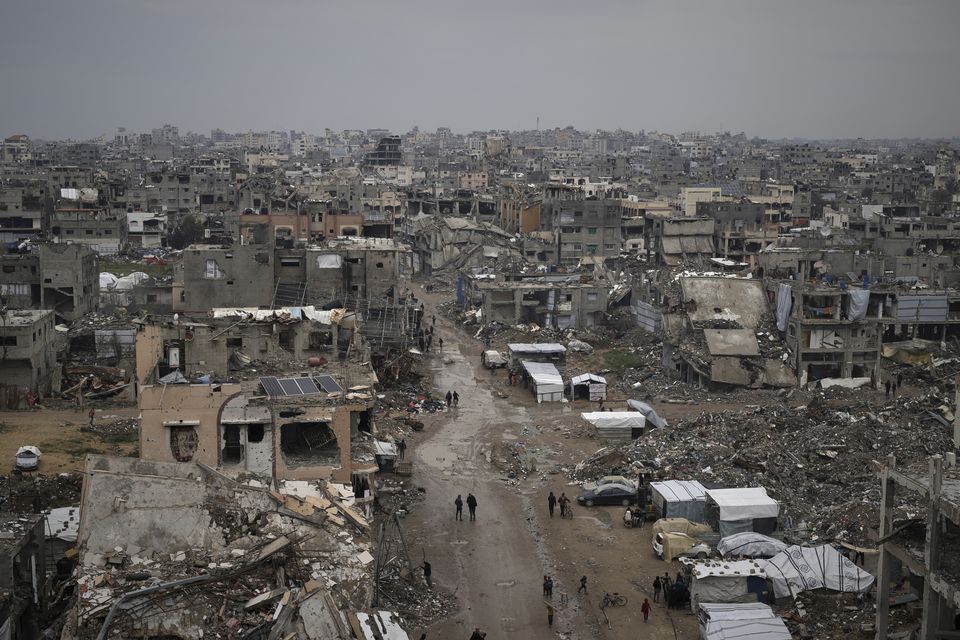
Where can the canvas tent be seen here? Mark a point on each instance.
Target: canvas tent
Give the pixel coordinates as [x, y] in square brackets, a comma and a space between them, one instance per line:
[536, 352]
[616, 426]
[740, 621]
[546, 381]
[588, 387]
[739, 581]
[750, 545]
[678, 499]
[805, 568]
[648, 412]
[732, 511]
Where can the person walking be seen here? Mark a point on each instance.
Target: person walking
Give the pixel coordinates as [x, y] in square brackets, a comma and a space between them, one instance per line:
[440, 342]
[472, 505]
[456, 399]
[449, 398]
[550, 612]
[459, 503]
[544, 586]
[583, 585]
[402, 448]
[427, 574]
[549, 587]
[886, 385]
[645, 609]
[551, 502]
[656, 589]
[563, 504]
[91, 414]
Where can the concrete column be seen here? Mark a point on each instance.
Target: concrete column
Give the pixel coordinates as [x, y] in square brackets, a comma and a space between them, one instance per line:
[931, 557]
[888, 491]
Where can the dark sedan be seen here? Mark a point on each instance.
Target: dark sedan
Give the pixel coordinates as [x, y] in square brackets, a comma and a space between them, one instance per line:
[609, 494]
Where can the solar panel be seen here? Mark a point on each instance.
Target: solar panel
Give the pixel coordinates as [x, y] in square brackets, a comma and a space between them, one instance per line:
[328, 384]
[271, 386]
[307, 385]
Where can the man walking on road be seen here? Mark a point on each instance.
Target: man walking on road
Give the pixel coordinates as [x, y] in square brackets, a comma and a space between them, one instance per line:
[563, 504]
[472, 505]
[645, 609]
[449, 398]
[583, 585]
[656, 589]
[551, 503]
[402, 448]
[456, 399]
[440, 342]
[91, 414]
[550, 611]
[459, 503]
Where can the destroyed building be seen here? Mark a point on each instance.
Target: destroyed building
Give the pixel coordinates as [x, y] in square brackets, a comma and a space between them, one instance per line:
[561, 301]
[920, 555]
[23, 575]
[29, 356]
[63, 278]
[444, 242]
[586, 228]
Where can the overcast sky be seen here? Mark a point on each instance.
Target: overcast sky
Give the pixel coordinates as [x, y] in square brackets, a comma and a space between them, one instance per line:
[773, 68]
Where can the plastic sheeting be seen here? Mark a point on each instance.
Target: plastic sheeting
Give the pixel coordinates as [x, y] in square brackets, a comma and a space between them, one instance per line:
[602, 419]
[808, 568]
[329, 261]
[784, 302]
[648, 412]
[768, 629]
[129, 281]
[857, 301]
[744, 503]
[107, 280]
[751, 545]
[679, 499]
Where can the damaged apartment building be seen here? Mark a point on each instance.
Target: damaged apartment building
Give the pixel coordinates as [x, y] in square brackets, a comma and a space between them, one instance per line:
[28, 360]
[63, 278]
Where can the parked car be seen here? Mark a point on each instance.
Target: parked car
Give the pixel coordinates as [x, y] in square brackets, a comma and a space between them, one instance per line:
[493, 359]
[28, 458]
[605, 480]
[694, 548]
[612, 493]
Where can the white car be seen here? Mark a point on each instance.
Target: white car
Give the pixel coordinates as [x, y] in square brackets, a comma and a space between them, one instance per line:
[28, 458]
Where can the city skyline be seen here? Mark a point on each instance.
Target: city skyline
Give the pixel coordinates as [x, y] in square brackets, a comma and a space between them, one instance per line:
[877, 70]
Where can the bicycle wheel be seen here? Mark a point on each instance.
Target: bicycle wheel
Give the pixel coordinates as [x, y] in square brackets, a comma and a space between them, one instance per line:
[620, 601]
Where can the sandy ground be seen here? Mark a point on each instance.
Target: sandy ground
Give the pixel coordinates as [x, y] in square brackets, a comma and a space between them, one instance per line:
[57, 434]
[495, 566]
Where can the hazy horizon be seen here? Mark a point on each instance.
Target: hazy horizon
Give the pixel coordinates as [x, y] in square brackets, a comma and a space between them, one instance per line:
[814, 70]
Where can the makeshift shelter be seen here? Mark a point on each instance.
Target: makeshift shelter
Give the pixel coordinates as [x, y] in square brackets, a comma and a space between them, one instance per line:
[616, 426]
[546, 381]
[806, 568]
[536, 352]
[750, 545]
[680, 525]
[723, 581]
[678, 499]
[648, 412]
[588, 387]
[386, 455]
[740, 621]
[674, 544]
[732, 511]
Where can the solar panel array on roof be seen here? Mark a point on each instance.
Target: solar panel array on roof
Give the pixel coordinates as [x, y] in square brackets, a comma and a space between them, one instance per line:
[328, 384]
[278, 387]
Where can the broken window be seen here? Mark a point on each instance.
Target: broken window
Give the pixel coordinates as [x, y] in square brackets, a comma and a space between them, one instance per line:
[183, 443]
[255, 433]
[320, 339]
[232, 447]
[235, 343]
[308, 443]
[213, 271]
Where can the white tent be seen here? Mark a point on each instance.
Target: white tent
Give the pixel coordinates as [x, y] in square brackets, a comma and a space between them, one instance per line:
[616, 425]
[547, 381]
[751, 545]
[740, 620]
[741, 508]
[592, 387]
[805, 568]
[724, 581]
[678, 499]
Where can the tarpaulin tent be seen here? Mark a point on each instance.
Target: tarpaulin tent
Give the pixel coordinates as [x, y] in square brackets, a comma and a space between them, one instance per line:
[680, 525]
[742, 509]
[547, 381]
[616, 425]
[750, 545]
[739, 581]
[648, 412]
[806, 568]
[678, 499]
[588, 386]
[740, 620]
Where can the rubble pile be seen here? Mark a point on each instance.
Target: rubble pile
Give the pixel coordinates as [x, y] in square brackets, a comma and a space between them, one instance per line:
[835, 616]
[21, 493]
[419, 606]
[119, 430]
[815, 459]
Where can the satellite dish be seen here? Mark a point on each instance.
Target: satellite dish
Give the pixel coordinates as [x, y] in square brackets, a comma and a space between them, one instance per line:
[825, 231]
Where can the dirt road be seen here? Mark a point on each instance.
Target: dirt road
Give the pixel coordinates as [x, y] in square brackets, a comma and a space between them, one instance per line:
[495, 566]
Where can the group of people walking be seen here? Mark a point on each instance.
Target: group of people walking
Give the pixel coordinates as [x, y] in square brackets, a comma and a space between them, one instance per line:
[453, 399]
[563, 501]
[471, 505]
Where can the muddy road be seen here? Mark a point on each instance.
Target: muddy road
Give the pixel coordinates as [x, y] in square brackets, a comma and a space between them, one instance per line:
[495, 566]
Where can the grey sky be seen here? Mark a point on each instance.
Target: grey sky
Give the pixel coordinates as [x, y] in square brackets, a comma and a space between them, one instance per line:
[810, 68]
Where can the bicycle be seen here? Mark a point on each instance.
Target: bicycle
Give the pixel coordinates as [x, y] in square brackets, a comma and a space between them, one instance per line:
[613, 599]
[567, 513]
